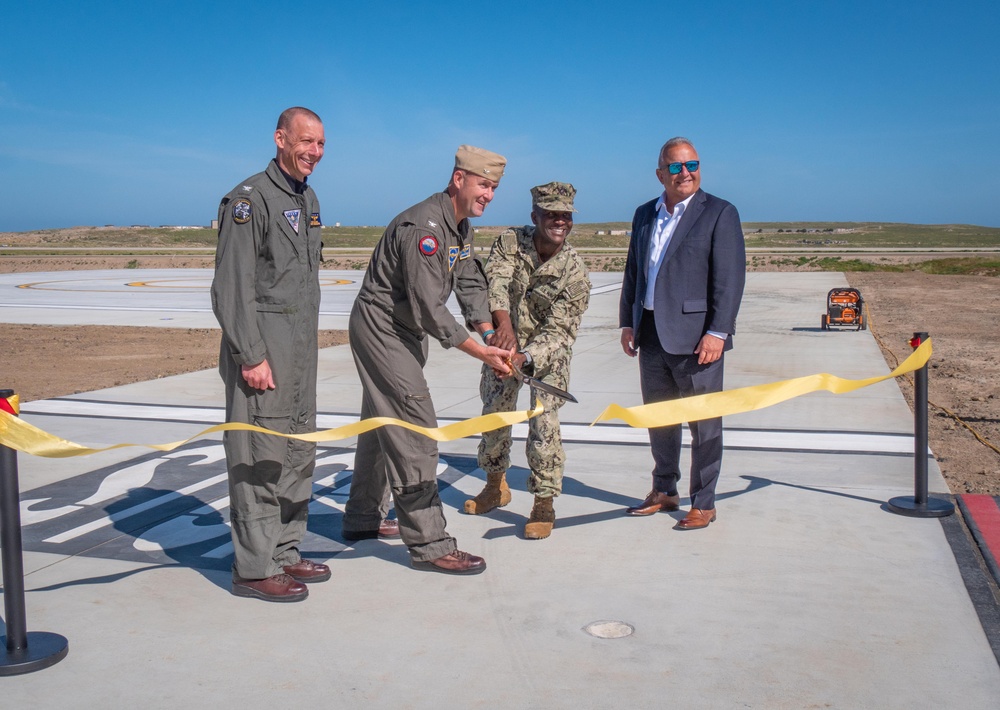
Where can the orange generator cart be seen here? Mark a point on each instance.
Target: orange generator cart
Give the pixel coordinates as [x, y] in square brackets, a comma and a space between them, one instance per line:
[844, 307]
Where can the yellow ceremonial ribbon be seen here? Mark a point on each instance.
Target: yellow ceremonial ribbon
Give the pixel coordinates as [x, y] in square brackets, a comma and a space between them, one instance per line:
[18, 434]
[747, 399]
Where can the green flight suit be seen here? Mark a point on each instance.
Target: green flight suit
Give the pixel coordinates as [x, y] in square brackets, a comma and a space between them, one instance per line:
[266, 297]
[421, 258]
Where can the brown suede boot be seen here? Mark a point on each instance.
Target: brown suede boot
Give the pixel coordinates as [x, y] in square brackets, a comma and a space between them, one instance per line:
[541, 521]
[496, 494]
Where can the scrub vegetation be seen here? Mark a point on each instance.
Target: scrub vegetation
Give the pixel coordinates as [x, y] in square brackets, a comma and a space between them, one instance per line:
[771, 246]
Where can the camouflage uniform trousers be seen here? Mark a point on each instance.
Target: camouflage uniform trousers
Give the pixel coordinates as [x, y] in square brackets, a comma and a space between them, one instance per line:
[544, 448]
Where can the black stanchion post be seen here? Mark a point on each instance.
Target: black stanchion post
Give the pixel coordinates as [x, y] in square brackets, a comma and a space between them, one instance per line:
[920, 505]
[23, 652]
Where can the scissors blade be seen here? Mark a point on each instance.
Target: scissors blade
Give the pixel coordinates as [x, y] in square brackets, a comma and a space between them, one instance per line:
[543, 386]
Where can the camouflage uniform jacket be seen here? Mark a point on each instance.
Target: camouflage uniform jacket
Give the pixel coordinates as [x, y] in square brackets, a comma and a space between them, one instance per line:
[546, 301]
[421, 258]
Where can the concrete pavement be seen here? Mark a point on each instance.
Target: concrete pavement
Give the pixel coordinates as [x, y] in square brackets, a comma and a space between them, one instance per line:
[806, 592]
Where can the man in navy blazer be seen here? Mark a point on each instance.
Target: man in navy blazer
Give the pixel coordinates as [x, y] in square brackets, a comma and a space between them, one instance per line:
[682, 289]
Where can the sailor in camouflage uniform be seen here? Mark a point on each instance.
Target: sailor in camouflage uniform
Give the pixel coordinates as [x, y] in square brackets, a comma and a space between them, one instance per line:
[539, 290]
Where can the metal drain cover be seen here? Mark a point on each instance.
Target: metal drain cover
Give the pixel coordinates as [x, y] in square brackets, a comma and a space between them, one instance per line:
[609, 629]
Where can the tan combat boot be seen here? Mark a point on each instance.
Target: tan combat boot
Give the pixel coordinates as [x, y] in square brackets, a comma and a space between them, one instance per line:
[541, 521]
[496, 494]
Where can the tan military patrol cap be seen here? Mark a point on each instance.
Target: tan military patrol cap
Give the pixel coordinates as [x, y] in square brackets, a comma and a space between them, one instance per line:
[554, 197]
[480, 162]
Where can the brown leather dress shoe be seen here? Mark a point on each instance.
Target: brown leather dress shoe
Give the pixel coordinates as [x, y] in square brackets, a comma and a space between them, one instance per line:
[654, 503]
[307, 571]
[457, 562]
[277, 588]
[387, 529]
[696, 519]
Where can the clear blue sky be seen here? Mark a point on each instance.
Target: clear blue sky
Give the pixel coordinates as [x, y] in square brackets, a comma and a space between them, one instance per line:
[147, 113]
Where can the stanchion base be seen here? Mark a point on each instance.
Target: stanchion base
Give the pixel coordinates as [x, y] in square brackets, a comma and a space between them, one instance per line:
[933, 508]
[44, 650]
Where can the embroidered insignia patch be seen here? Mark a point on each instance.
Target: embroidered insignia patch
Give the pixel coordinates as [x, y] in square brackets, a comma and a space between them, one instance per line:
[432, 224]
[314, 220]
[428, 245]
[241, 211]
[293, 219]
[466, 252]
[247, 188]
[452, 257]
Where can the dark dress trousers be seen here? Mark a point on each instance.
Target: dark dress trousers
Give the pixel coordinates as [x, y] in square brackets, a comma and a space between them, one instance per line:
[698, 289]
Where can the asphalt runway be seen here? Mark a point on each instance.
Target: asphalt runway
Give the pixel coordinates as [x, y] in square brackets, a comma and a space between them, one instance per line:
[807, 592]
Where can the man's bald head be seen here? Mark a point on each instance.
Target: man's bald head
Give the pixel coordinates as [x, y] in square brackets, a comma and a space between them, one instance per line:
[289, 114]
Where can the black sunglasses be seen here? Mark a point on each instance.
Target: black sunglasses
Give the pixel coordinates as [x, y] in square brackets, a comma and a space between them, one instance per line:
[675, 168]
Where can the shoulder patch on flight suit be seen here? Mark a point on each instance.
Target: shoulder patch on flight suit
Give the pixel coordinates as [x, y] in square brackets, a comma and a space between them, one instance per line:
[575, 290]
[293, 219]
[432, 224]
[452, 257]
[314, 220]
[428, 245]
[241, 211]
[466, 252]
[247, 188]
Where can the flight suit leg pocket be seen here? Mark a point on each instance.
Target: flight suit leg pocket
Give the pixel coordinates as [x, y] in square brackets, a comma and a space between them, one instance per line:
[421, 450]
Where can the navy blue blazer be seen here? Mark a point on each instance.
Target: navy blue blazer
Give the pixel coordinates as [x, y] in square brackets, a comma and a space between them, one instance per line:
[700, 283]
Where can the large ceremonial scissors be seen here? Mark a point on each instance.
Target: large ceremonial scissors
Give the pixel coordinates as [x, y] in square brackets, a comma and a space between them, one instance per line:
[539, 385]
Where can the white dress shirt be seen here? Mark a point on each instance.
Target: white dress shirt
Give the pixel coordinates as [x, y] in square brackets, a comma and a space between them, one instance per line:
[666, 223]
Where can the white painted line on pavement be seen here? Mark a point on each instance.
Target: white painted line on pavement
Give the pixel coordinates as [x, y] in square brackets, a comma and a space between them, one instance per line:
[758, 439]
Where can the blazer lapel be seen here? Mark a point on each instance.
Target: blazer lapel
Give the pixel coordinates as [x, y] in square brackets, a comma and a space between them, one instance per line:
[646, 236]
[694, 209]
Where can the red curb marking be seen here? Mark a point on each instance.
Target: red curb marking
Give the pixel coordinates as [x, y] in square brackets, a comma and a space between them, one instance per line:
[986, 514]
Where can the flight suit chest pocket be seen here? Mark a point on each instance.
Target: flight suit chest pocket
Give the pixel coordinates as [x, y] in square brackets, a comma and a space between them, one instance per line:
[279, 255]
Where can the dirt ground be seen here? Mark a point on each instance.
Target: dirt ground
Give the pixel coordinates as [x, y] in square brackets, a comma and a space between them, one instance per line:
[959, 312]
[960, 315]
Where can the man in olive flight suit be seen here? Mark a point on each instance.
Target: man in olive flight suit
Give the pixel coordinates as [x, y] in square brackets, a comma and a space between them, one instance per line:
[539, 290]
[266, 297]
[425, 253]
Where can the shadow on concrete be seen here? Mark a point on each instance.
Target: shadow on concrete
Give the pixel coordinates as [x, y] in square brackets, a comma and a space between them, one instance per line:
[758, 482]
[517, 478]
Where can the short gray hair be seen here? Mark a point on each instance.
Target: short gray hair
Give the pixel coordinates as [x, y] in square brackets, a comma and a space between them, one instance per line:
[672, 143]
